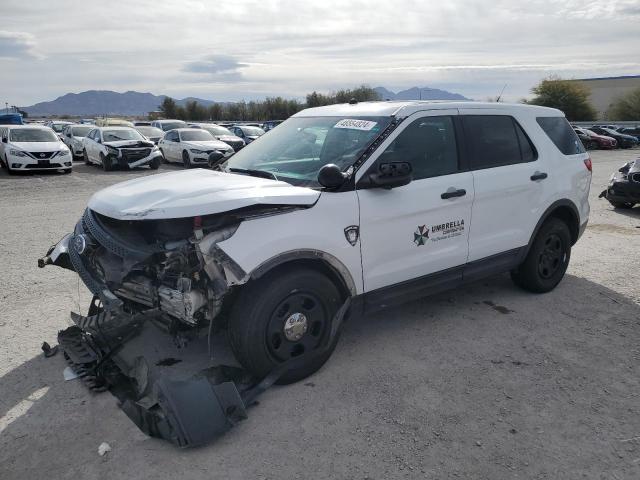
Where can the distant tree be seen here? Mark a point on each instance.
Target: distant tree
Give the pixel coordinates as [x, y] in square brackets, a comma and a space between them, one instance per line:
[570, 97]
[626, 107]
[168, 108]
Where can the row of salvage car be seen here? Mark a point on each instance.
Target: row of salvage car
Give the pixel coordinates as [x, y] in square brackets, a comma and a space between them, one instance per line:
[119, 144]
[608, 136]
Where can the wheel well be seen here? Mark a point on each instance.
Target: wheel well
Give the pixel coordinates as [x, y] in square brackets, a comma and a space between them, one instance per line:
[568, 216]
[318, 265]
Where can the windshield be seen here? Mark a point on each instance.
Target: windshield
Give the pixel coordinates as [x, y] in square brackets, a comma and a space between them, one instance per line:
[150, 131]
[80, 131]
[297, 150]
[252, 131]
[116, 135]
[216, 130]
[32, 135]
[196, 136]
[166, 126]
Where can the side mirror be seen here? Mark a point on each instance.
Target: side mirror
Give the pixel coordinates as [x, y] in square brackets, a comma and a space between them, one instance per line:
[68, 135]
[99, 141]
[330, 176]
[4, 140]
[390, 175]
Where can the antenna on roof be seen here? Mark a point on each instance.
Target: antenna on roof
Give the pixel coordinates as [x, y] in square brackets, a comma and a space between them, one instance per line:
[500, 96]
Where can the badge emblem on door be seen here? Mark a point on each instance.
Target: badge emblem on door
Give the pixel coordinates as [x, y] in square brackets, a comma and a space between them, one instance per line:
[421, 235]
[352, 233]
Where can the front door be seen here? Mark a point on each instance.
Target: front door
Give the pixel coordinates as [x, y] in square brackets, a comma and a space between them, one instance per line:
[421, 228]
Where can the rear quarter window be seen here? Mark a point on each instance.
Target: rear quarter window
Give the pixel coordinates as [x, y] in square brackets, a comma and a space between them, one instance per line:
[561, 134]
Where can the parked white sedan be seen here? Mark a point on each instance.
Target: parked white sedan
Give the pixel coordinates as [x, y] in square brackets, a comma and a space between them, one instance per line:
[119, 146]
[192, 147]
[27, 148]
[72, 136]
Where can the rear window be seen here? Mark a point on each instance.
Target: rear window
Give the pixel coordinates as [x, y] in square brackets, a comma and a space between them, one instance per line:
[561, 134]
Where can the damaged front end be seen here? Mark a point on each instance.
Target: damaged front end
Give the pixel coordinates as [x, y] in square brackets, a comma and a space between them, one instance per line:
[623, 190]
[161, 288]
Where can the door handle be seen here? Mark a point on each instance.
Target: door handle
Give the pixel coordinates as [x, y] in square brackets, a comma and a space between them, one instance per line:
[452, 192]
[538, 176]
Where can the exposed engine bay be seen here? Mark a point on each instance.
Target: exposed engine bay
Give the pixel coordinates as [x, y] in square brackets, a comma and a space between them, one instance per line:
[160, 290]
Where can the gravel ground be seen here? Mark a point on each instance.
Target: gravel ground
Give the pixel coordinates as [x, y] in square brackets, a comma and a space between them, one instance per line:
[447, 387]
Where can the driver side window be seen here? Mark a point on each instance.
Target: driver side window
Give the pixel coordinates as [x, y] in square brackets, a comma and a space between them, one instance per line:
[429, 144]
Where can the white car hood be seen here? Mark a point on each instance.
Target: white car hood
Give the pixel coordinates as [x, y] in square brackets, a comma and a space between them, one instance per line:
[38, 146]
[194, 192]
[206, 145]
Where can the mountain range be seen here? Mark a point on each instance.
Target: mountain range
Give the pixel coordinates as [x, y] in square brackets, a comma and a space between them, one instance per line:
[416, 93]
[105, 102]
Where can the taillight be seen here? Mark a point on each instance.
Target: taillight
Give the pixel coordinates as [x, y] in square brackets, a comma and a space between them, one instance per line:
[588, 164]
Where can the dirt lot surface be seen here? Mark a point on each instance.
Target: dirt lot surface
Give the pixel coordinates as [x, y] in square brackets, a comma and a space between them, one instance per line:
[453, 386]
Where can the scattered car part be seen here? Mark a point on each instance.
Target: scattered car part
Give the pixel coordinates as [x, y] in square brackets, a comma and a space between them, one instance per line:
[48, 350]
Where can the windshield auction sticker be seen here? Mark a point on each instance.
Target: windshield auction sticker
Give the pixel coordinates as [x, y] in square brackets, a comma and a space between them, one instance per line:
[354, 124]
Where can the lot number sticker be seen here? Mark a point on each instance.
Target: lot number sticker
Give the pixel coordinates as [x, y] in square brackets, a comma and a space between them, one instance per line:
[353, 124]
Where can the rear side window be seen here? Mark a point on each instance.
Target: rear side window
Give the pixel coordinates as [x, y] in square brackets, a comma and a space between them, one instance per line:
[561, 134]
[497, 140]
[429, 144]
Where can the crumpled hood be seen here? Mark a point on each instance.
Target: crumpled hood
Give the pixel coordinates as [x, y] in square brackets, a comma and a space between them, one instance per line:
[194, 192]
[130, 144]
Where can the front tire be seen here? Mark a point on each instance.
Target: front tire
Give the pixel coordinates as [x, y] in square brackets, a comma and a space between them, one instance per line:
[283, 315]
[106, 162]
[155, 163]
[547, 260]
[6, 162]
[186, 160]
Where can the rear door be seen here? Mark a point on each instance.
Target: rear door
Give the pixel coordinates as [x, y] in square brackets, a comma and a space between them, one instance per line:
[508, 179]
[409, 233]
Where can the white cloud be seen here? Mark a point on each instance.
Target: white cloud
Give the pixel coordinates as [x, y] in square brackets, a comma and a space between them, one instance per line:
[251, 48]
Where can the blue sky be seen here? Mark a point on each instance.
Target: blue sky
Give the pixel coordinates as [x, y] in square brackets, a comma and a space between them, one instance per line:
[251, 49]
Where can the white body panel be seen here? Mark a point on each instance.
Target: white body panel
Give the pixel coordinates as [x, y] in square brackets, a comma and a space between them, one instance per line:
[389, 219]
[508, 204]
[319, 228]
[194, 192]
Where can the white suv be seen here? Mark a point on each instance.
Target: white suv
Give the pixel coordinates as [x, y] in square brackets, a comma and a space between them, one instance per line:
[350, 207]
[27, 148]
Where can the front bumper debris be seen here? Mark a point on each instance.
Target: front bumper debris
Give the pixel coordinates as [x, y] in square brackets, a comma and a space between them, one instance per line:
[169, 389]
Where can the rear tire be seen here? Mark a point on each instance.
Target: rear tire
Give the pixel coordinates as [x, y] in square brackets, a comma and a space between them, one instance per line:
[547, 260]
[186, 160]
[257, 333]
